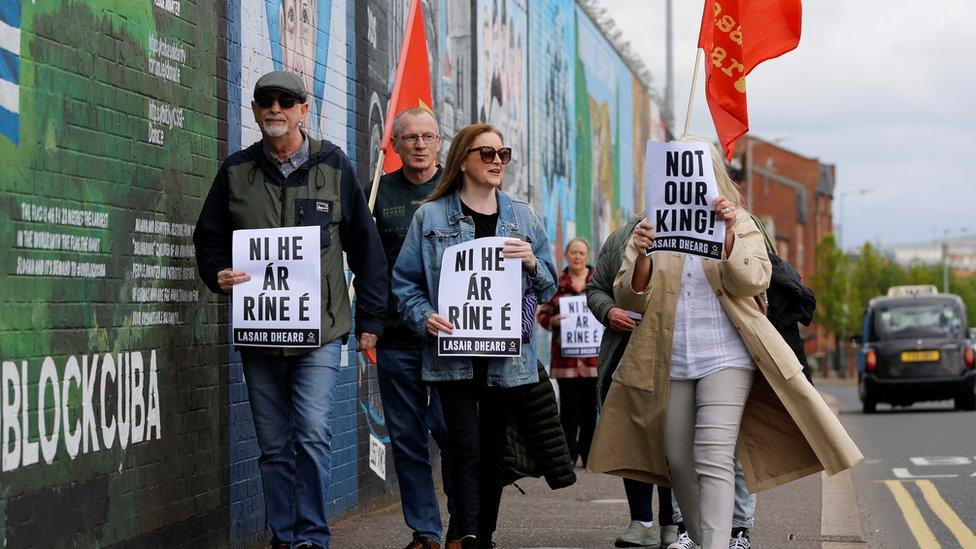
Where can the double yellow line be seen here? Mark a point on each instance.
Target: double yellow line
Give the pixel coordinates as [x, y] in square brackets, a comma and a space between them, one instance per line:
[916, 523]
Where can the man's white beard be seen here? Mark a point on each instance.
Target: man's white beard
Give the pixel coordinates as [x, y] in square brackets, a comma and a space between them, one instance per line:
[274, 130]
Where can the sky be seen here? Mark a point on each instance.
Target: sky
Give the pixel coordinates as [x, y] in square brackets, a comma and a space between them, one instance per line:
[885, 90]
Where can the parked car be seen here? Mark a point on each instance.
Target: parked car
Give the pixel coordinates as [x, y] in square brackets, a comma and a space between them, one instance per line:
[915, 348]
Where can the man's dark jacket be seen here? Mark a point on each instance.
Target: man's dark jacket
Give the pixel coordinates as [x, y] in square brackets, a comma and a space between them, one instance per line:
[250, 192]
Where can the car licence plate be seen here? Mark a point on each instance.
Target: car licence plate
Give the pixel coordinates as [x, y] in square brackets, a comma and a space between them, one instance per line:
[919, 356]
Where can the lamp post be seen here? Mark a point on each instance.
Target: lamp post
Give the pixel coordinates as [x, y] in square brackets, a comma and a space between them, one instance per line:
[840, 207]
[945, 256]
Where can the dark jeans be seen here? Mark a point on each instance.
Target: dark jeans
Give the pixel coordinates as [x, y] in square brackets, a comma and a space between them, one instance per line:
[410, 414]
[577, 412]
[477, 417]
[639, 498]
[291, 401]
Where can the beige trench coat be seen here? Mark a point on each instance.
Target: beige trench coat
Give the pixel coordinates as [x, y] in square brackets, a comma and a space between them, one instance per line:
[787, 429]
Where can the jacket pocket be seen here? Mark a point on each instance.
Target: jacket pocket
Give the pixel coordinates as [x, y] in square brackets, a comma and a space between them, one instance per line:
[436, 242]
[311, 212]
[769, 346]
[634, 372]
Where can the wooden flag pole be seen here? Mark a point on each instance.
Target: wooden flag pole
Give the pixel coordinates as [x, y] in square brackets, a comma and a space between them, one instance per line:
[374, 189]
[691, 94]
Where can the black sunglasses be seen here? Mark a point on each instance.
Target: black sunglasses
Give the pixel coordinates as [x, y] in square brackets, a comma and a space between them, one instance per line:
[284, 101]
[488, 154]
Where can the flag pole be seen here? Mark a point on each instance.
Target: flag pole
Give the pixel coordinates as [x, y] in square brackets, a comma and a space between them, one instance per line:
[374, 189]
[691, 94]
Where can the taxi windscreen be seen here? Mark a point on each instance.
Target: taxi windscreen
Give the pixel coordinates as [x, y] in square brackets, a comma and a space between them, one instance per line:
[918, 320]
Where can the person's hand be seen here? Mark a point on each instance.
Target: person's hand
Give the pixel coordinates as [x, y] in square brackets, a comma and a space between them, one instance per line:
[436, 323]
[557, 320]
[643, 237]
[725, 211]
[367, 341]
[620, 320]
[519, 249]
[228, 277]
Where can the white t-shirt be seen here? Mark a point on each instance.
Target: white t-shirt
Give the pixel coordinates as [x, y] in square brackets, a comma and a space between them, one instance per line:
[705, 340]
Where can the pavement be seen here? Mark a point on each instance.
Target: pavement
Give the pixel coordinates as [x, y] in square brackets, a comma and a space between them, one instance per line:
[814, 512]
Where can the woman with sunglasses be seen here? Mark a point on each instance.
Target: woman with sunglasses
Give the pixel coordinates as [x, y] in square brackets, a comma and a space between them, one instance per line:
[476, 393]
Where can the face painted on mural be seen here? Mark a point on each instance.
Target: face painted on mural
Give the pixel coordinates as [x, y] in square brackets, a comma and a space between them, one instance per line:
[409, 142]
[479, 172]
[298, 20]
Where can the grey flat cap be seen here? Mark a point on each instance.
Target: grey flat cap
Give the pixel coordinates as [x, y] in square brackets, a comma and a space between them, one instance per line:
[283, 81]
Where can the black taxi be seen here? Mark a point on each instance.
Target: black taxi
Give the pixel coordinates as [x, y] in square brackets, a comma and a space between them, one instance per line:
[915, 348]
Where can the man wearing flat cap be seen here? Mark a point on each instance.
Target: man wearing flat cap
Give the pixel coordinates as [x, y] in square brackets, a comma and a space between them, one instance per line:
[289, 179]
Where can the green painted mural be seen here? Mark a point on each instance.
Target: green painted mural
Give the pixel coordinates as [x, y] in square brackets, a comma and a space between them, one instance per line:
[109, 139]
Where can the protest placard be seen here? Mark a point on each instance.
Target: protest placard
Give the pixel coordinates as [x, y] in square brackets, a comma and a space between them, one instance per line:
[681, 189]
[480, 293]
[580, 332]
[281, 305]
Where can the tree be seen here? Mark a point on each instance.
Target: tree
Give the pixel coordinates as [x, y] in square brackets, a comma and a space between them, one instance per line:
[871, 275]
[830, 282]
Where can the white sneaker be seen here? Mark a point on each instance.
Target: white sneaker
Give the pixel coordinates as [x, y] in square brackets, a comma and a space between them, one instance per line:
[740, 542]
[684, 542]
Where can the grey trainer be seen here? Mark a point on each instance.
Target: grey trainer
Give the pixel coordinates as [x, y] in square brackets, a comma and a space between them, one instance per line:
[638, 535]
[669, 535]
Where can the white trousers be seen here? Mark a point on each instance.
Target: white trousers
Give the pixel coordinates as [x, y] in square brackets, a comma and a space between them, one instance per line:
[701, 431]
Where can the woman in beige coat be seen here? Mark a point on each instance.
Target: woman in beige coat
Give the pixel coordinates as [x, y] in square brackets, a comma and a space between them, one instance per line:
[704, 374]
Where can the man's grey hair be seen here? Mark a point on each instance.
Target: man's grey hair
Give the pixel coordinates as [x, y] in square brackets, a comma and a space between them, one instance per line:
[412, 111]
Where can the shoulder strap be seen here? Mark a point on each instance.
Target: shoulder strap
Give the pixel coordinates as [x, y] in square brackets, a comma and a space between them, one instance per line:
[770, 248]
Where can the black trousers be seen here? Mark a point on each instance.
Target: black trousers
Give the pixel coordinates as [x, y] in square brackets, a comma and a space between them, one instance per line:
[639, 496]
[577, 413]
[477, 417]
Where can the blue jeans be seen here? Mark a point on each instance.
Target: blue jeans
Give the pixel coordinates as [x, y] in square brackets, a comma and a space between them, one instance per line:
[409, 416]
[744, 510]
[291, 401]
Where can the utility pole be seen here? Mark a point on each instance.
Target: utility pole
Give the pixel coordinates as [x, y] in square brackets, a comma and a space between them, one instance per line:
[945, 261]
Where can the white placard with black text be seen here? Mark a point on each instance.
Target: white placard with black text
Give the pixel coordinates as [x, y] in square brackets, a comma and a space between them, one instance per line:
[281, 305]
[480, 293]
[580, 332]
[681, 189]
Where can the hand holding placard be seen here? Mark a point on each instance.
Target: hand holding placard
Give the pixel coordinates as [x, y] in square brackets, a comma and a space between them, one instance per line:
[681, 193]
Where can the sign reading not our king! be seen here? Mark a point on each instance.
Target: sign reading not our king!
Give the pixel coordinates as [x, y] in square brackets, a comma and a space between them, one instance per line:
[281, 305]
[681, 190]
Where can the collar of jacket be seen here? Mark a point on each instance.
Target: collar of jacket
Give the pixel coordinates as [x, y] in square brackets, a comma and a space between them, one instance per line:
[566, 281]
[318, 151]
[506, 209]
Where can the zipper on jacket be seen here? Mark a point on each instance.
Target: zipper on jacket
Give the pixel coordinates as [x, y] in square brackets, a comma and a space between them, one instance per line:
[328, 298]
[284, 188]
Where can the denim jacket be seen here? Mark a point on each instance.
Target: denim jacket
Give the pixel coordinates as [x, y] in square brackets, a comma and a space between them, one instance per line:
[439, 225]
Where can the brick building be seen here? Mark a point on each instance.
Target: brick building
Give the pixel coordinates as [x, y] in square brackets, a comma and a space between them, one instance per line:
[793, 195]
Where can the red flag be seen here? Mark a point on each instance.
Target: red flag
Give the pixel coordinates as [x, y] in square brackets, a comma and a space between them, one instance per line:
[411, 88]
[737, 35]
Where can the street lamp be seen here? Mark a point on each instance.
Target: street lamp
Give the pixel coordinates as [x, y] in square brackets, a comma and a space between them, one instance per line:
[840, 207]
[945, 256]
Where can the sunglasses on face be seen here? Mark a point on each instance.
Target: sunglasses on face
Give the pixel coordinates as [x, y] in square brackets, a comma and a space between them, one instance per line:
[284, 101]
[488, 154]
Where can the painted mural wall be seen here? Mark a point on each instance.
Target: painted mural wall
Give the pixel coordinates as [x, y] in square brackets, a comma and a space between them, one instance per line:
[110, 393]
[123, 412]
